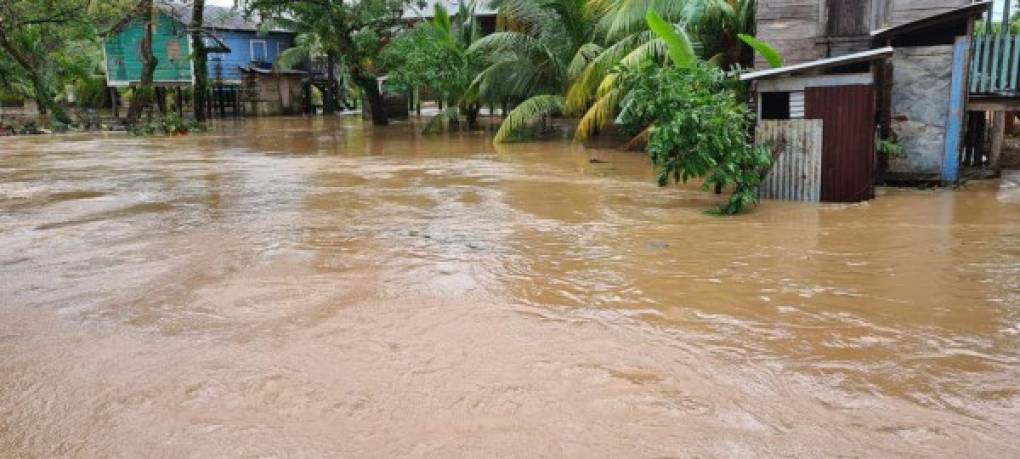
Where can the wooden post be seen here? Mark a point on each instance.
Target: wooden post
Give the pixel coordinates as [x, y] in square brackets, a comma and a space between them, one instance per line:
[998, 137]
[219, 99]
[161, 99]
[180, 102]
[957, 107]
[982, 135]
[115, 102]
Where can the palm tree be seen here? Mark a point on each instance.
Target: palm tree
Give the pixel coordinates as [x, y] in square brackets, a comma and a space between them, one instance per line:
[714, 26]
[542, 46]
[456, 35]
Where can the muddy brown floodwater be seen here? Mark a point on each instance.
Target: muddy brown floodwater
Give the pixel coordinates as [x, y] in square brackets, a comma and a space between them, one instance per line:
[310, 287]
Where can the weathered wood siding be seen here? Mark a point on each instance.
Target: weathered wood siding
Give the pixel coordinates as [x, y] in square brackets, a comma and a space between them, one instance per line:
[800, 28]
[171, 46]
[848, 18]
[246, 48]
[796, 174]
[793, 27]
[903, 11]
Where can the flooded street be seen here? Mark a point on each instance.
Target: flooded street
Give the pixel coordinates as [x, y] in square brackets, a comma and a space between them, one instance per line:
[319, 288]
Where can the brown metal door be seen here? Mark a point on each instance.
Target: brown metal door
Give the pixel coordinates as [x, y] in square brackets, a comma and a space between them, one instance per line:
[848, 140]
[848, 18]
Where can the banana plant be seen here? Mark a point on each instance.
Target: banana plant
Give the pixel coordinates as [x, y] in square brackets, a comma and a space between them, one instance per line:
[770, 54]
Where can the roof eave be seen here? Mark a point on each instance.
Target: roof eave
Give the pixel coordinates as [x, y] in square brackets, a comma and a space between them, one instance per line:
[963, 12]
[865, 56]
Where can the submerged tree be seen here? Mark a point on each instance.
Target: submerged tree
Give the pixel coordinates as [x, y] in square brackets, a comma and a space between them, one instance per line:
[198, 57]
[713, 25]
[434, 55]
[698, 126]
[533, 59]
[144, 91]
[357, 30]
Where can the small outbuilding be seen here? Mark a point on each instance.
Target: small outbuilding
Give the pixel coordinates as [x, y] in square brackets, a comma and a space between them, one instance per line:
[819, 118]
[267, 91]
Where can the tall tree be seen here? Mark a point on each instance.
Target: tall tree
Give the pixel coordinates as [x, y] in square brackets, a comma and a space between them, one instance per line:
[33, 34]
[355, 30]
[198, 56]
[143, 92]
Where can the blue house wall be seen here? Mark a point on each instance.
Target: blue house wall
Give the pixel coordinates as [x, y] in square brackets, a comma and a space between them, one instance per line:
[247, 49]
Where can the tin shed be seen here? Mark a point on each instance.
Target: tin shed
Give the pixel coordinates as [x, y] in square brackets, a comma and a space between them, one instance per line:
[830, 158]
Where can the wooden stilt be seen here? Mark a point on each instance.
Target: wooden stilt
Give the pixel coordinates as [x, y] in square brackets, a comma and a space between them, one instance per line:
[998, 137]
[219, 100]
[115, 102]
[180, 102]
[161, 100]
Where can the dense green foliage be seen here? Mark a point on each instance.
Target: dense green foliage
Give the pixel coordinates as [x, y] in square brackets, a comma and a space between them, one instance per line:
[575, 50]
[700, 130]
[541, 47]
[696, 122]
[353, 31]
[41, 49]
[169, 124]
[434, 55]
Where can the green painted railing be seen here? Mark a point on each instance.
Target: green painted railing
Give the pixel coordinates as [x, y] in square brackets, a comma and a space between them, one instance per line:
[995, 61]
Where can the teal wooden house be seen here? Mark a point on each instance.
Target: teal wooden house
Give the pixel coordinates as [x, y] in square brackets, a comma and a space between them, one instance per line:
[171, 46]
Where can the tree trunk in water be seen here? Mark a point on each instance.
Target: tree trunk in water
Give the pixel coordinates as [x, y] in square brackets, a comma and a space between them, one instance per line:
[471, 113]
[47, 105]
[329, 98]
[370, 86]
[143, 92]
[375, 102]
[199, 54]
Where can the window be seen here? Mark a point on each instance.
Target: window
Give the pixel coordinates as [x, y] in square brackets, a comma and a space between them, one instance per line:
[775, 105]
[781, 105]
[258, 51]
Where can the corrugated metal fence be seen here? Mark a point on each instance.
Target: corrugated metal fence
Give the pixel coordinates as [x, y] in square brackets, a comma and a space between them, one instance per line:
[796, 174]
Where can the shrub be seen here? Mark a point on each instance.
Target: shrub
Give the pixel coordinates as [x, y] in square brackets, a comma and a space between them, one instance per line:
[699, 129]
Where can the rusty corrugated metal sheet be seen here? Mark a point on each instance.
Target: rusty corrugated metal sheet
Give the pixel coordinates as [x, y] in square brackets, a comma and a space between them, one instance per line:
[848, 146]
[796, 174]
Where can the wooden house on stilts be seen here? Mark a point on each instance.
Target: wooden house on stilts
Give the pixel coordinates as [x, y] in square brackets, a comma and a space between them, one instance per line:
[239, 52]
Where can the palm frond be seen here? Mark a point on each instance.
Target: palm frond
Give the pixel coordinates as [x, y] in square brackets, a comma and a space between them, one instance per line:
[527, 112]
[601, 113]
